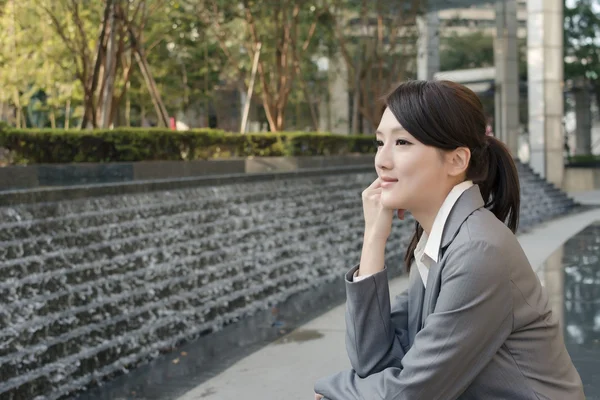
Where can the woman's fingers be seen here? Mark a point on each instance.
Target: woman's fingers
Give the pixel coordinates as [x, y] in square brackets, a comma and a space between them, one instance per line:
[376, 184]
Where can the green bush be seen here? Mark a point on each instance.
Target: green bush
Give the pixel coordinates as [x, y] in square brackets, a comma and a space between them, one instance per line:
[584, 158]
[34, 146]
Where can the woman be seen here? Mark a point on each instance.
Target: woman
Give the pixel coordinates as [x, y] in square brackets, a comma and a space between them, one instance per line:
[475, 323]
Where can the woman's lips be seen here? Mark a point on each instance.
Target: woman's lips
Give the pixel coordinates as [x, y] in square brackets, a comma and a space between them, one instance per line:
[387, 182]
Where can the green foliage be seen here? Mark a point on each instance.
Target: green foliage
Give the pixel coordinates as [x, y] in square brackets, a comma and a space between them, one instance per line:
[34, 146]
[474, 50]
[308, 144]
[584, 159]
[581, 38]
[36, 62]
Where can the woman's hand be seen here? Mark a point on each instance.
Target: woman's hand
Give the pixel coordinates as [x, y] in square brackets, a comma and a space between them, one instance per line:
[378, 220]
[318, 396]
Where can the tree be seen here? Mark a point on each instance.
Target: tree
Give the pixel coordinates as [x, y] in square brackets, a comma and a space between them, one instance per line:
[582, 44]
[117, 44]
[19, 70]
[473, 50]
[188, 64]
[377, 42]
[74, 25]
[285, 31]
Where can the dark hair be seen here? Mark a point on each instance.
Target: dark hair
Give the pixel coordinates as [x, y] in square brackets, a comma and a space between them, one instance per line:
[447, 115]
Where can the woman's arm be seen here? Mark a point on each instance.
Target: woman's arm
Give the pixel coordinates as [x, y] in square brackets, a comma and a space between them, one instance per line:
[376, 334]
[471, 321]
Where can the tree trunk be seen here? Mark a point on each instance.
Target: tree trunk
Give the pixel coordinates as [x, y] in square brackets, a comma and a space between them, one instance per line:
[52, 118]
[161, 112]
[206, 99]
[127, 105]
[89, 113]
[18, 107]
[356, 97]
[18, 117]
[68, 114]
[109, 74]
[142, 115]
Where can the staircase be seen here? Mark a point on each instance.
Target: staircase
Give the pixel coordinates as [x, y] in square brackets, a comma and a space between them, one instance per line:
[540, 200]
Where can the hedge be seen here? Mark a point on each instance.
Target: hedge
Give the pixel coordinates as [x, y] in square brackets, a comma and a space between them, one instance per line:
[35, 146]
[584, 158]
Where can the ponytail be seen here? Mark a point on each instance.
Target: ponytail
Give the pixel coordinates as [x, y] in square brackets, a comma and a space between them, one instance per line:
[500, 187]
[492, 168]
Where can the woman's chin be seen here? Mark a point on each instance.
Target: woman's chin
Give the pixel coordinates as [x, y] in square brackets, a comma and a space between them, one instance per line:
[391, 203]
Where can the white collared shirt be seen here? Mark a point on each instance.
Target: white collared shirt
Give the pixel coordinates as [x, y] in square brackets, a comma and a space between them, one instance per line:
[428, 248]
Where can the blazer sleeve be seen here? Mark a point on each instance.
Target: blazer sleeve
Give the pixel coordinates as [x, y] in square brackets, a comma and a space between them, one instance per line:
[376, 334]
[471, 321]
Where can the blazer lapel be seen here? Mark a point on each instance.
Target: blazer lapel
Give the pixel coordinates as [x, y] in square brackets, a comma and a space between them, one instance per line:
[469, 202]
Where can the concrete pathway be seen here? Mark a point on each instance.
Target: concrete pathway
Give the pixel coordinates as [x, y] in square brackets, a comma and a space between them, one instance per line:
[590, 198]
[287, 369]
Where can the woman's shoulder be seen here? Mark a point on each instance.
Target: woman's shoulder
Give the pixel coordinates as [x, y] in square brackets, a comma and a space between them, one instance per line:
[483, 226]
[484, 234]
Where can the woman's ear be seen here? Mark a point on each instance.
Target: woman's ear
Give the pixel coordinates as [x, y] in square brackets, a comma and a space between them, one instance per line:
[458, 161]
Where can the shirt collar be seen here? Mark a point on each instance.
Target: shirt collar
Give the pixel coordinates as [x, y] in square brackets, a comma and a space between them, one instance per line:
[434, 241]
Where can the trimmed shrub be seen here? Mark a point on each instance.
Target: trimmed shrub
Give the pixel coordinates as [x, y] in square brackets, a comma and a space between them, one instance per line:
[36, 146]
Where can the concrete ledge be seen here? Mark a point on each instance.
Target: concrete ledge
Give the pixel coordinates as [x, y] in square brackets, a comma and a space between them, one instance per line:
[39, 195]
[151, 170]
[17, 177]
[581, 179]
[49, 182]
[60, 175]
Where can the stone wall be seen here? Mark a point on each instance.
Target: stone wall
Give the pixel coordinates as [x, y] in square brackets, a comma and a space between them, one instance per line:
[94, 286]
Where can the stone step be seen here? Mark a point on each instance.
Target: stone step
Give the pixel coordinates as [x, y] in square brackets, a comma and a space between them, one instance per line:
[43, 246]
[70, 221]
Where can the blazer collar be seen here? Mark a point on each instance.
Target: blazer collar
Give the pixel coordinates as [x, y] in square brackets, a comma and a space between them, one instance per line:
[468, 202]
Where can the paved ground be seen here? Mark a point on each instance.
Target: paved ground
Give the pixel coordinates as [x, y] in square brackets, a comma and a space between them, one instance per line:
[591, 197]
[286, 369]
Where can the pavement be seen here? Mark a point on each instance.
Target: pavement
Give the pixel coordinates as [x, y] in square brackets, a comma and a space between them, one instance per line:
[287, 369]
[588, 198]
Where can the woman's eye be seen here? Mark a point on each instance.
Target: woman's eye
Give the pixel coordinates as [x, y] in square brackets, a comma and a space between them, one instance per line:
[378, 143]
[401, 142]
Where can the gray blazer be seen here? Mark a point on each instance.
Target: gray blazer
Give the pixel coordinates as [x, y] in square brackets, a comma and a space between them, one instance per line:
[483, 329]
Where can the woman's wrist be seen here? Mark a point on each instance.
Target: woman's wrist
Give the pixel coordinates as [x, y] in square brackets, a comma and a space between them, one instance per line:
[375, 238]
[372, 258]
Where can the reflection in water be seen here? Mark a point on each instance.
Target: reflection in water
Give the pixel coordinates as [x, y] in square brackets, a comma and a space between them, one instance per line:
[582, 287]
[572, 279]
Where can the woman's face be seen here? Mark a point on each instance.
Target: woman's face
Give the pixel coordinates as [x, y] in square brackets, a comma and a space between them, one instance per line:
[414, 176]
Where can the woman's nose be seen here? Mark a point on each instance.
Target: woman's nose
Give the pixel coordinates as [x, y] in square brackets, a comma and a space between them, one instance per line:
[383, 159]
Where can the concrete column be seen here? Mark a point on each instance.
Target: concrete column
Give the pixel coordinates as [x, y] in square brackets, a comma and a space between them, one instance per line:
[583, 118]
[545, 87]
[506, 59]
[428, 58]
[334, 113]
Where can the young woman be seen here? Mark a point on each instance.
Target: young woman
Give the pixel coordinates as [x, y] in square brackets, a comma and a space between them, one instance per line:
[475, 322]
